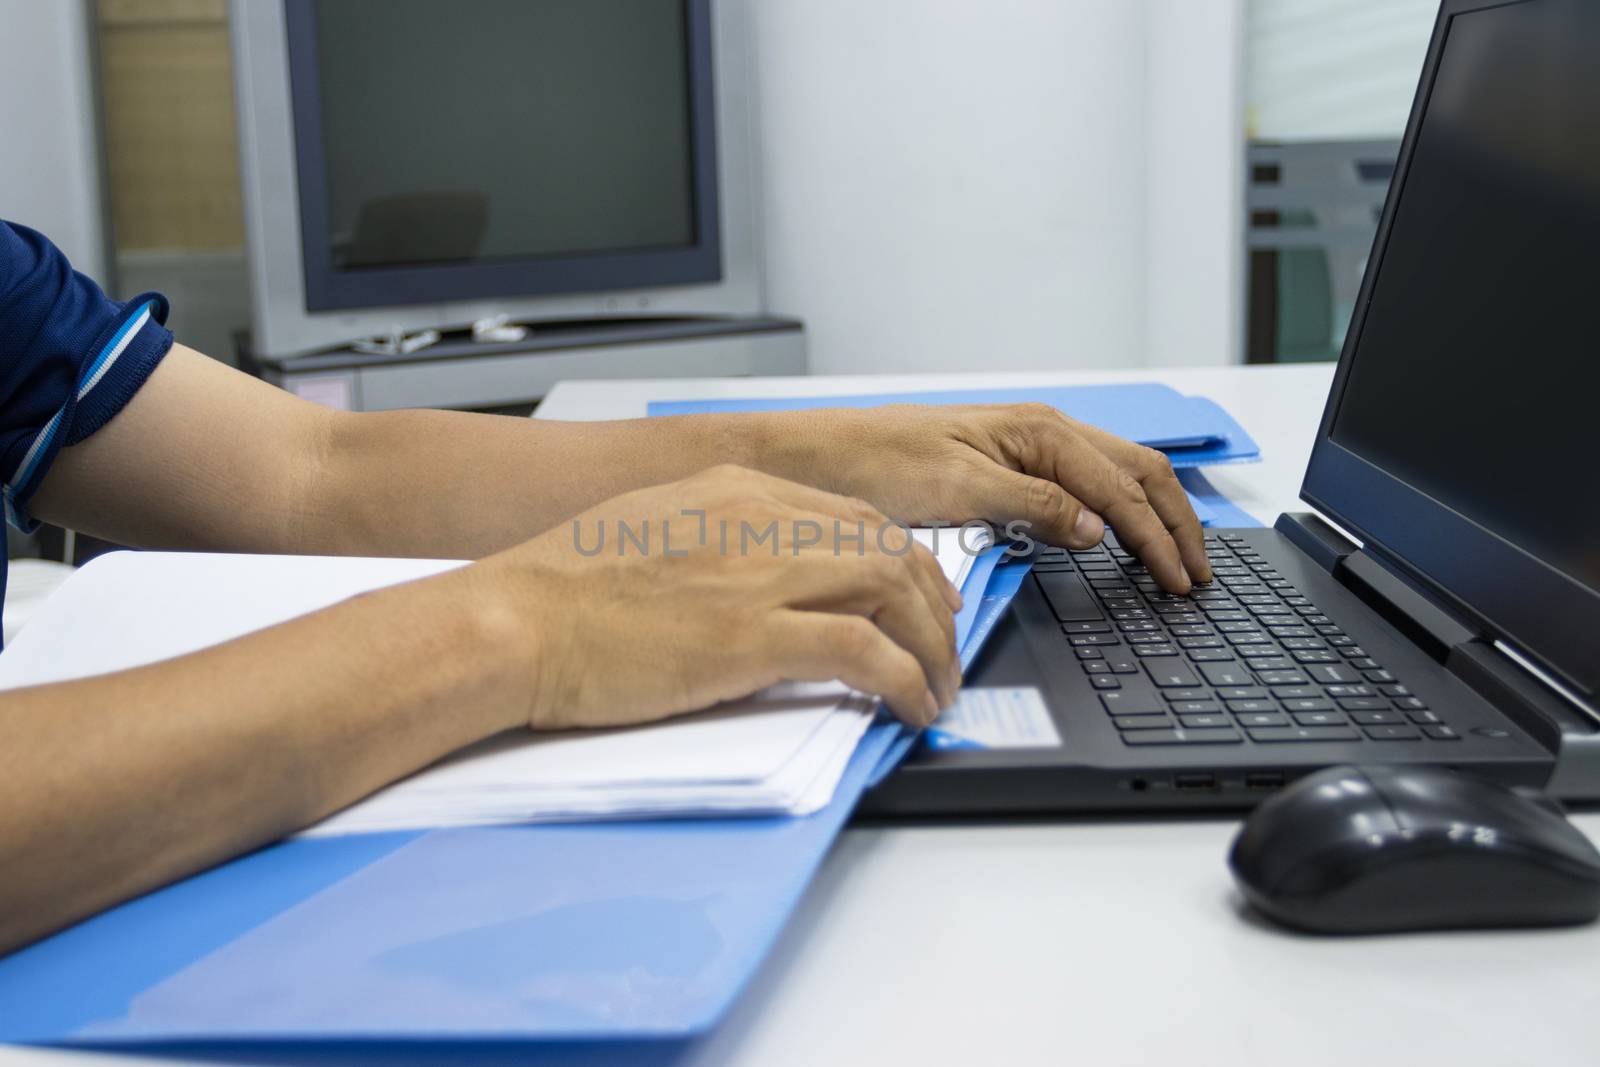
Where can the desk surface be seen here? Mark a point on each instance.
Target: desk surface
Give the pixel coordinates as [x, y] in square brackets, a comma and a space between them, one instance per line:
[1107, 942]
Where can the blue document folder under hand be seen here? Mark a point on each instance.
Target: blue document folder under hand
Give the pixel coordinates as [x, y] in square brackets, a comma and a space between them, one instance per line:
[594, 932]
[1192, 430]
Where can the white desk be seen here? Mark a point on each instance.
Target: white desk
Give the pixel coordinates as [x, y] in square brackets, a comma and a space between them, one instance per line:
[1106, 942]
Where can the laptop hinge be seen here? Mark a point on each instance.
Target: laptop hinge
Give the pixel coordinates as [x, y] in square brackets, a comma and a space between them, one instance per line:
[1411, 612]
[1543, 713]
[1313, 536]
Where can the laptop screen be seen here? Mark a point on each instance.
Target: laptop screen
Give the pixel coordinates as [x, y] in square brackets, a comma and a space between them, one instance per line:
[1475, 378]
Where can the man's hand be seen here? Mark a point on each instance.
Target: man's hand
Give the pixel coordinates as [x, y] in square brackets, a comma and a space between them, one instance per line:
[731, 581]
[998, 463]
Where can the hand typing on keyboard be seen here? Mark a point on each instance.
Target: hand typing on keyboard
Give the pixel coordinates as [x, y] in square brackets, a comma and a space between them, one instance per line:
[999, 463]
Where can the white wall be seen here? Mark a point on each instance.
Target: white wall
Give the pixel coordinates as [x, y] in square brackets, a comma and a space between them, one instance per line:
[1013, 184]
[1334, 70]
[50, 173]
[1194, 183]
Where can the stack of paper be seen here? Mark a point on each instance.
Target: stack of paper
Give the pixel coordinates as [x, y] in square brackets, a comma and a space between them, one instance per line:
[780, 751]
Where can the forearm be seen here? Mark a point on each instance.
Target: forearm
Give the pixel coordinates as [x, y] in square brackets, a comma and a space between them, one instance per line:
[112, 786]
[453, 485]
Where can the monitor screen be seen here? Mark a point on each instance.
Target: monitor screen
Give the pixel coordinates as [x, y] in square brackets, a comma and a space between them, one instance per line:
[501, 129]
[1476, 375]
[478, 149]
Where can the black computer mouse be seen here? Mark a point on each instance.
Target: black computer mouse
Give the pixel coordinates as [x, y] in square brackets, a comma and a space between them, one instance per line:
[1375, 849]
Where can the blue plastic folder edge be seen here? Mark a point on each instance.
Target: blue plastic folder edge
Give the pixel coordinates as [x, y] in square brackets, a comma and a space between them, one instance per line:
[1193, 431]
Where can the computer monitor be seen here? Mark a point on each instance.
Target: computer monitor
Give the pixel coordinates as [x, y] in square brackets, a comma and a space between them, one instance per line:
[410, 164]
[1460, 436]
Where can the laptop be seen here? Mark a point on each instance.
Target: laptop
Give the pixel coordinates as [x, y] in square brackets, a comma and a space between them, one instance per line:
[1452, 614]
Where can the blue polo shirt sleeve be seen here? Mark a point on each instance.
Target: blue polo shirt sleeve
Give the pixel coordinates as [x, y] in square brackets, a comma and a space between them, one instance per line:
[70, 358]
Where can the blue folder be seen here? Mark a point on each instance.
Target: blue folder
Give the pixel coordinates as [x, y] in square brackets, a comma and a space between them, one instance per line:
[1192, 430]
[573, 933]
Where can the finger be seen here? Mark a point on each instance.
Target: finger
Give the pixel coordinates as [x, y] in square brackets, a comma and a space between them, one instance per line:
[1065, 457]
[819, 646]
[923, 567]
[882, 588]
[1052, 514]
[1167, 496]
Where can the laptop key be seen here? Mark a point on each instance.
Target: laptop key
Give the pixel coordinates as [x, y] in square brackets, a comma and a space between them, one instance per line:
[1240, 707]
[1263, 718]
[1320, 718]
[1315, 655]
[1186, 694]
[1092, 652]
[1173, 674]
[1424, 718]
[1377, 718]
[1084, 640]
[1243, 692]
[1441, 733]
[1276, 678]
[1147, 651]
[1085, 628]
[1274, 734]
[1356, 690]
[1364, 704]
[1183, 736]
[1307, 704]
[1410, 703]
[1119, 662]
[1105, 681]
[1210, 655]
[1069, 599]
[1225, 674]
[1293, 644]
[1200, 642]
[1332, 673]
[1141, 722]
[1263, 664]
[1128, 702]
[1195, 707]
[1393, 733]
[1209, 721]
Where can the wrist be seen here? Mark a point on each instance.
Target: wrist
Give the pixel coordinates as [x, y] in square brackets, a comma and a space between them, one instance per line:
[800, 446]
[499, 641]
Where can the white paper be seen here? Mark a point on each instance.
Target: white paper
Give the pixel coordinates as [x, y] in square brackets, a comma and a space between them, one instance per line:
[779, 751]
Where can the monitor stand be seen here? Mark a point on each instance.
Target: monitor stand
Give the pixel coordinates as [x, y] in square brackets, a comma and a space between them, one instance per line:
[458, 372]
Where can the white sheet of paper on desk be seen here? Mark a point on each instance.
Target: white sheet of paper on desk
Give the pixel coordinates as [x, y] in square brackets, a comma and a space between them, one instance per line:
[779, 751]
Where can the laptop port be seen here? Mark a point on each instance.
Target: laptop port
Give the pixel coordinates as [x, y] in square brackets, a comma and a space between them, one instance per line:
[1264, 782]
[1195, 783]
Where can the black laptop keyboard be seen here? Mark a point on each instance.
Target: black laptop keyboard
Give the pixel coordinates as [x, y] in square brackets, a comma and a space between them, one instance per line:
[1245, 658]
